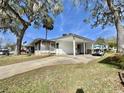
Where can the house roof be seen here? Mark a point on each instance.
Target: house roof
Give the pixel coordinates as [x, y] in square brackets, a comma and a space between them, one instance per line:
[65, 36]
[73, 35]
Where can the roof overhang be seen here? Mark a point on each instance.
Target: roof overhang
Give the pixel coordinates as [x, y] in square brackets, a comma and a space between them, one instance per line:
[40, 40]
[71, 38]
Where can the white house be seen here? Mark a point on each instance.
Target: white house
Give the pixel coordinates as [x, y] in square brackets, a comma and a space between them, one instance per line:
[67, 44]
[73, 44]
[41, 46]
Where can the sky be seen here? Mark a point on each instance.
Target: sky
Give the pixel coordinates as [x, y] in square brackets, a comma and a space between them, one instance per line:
[69, 21]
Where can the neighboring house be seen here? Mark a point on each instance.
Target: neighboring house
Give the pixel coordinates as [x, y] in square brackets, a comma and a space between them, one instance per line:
[40, 46]
[66, 44]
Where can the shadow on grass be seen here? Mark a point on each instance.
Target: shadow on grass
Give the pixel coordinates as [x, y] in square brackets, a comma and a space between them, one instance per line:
[114, 61]
[79, 90]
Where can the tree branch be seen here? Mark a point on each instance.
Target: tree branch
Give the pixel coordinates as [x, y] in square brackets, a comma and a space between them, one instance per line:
[110, 5]
[114, 11]
[17, 15]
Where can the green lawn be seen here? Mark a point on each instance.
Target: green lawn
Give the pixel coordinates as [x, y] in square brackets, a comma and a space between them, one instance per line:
[6, 60]
[94, 77]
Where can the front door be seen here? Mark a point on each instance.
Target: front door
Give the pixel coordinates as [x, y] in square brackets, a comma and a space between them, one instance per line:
[78, 48]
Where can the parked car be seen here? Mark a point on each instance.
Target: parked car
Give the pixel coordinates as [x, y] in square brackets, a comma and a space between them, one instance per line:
[4, 51]
[98, 52]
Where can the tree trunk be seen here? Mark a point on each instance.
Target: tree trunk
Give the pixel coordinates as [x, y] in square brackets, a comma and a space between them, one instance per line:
[46, 39]
[120, 38]
[46, 34]
[19, 40]
[18, 45]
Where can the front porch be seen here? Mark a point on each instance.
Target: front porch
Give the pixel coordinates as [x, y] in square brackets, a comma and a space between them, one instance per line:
[45, 48]
[42, 47]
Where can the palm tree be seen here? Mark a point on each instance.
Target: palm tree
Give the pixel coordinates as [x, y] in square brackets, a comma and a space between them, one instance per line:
[48, 25]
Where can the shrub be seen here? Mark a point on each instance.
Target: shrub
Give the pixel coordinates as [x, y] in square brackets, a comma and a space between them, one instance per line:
[116, 60]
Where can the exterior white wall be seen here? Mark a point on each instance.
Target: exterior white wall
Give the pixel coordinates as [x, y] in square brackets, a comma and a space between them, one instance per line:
[64, 48]
[44, 52]
[67, 47]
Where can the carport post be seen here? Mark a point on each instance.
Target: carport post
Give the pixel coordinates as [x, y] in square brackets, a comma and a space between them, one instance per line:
[84, 48]
[74, 53]
[92, 48]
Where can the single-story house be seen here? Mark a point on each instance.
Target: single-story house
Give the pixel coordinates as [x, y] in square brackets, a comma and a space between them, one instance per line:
[40, 46]
[71, 44]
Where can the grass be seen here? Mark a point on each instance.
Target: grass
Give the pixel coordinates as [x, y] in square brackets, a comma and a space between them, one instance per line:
[7, 60]
[93, 77]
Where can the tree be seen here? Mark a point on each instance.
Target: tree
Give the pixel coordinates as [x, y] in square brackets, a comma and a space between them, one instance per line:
[100, 41]
[111, 42]
[107, 12]
[48, 24]
[17, 15]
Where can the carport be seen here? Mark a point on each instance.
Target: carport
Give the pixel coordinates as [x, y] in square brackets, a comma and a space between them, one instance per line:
[73, 44]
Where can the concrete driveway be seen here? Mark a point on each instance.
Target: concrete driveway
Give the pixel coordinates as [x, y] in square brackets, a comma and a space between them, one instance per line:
[13, 69]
